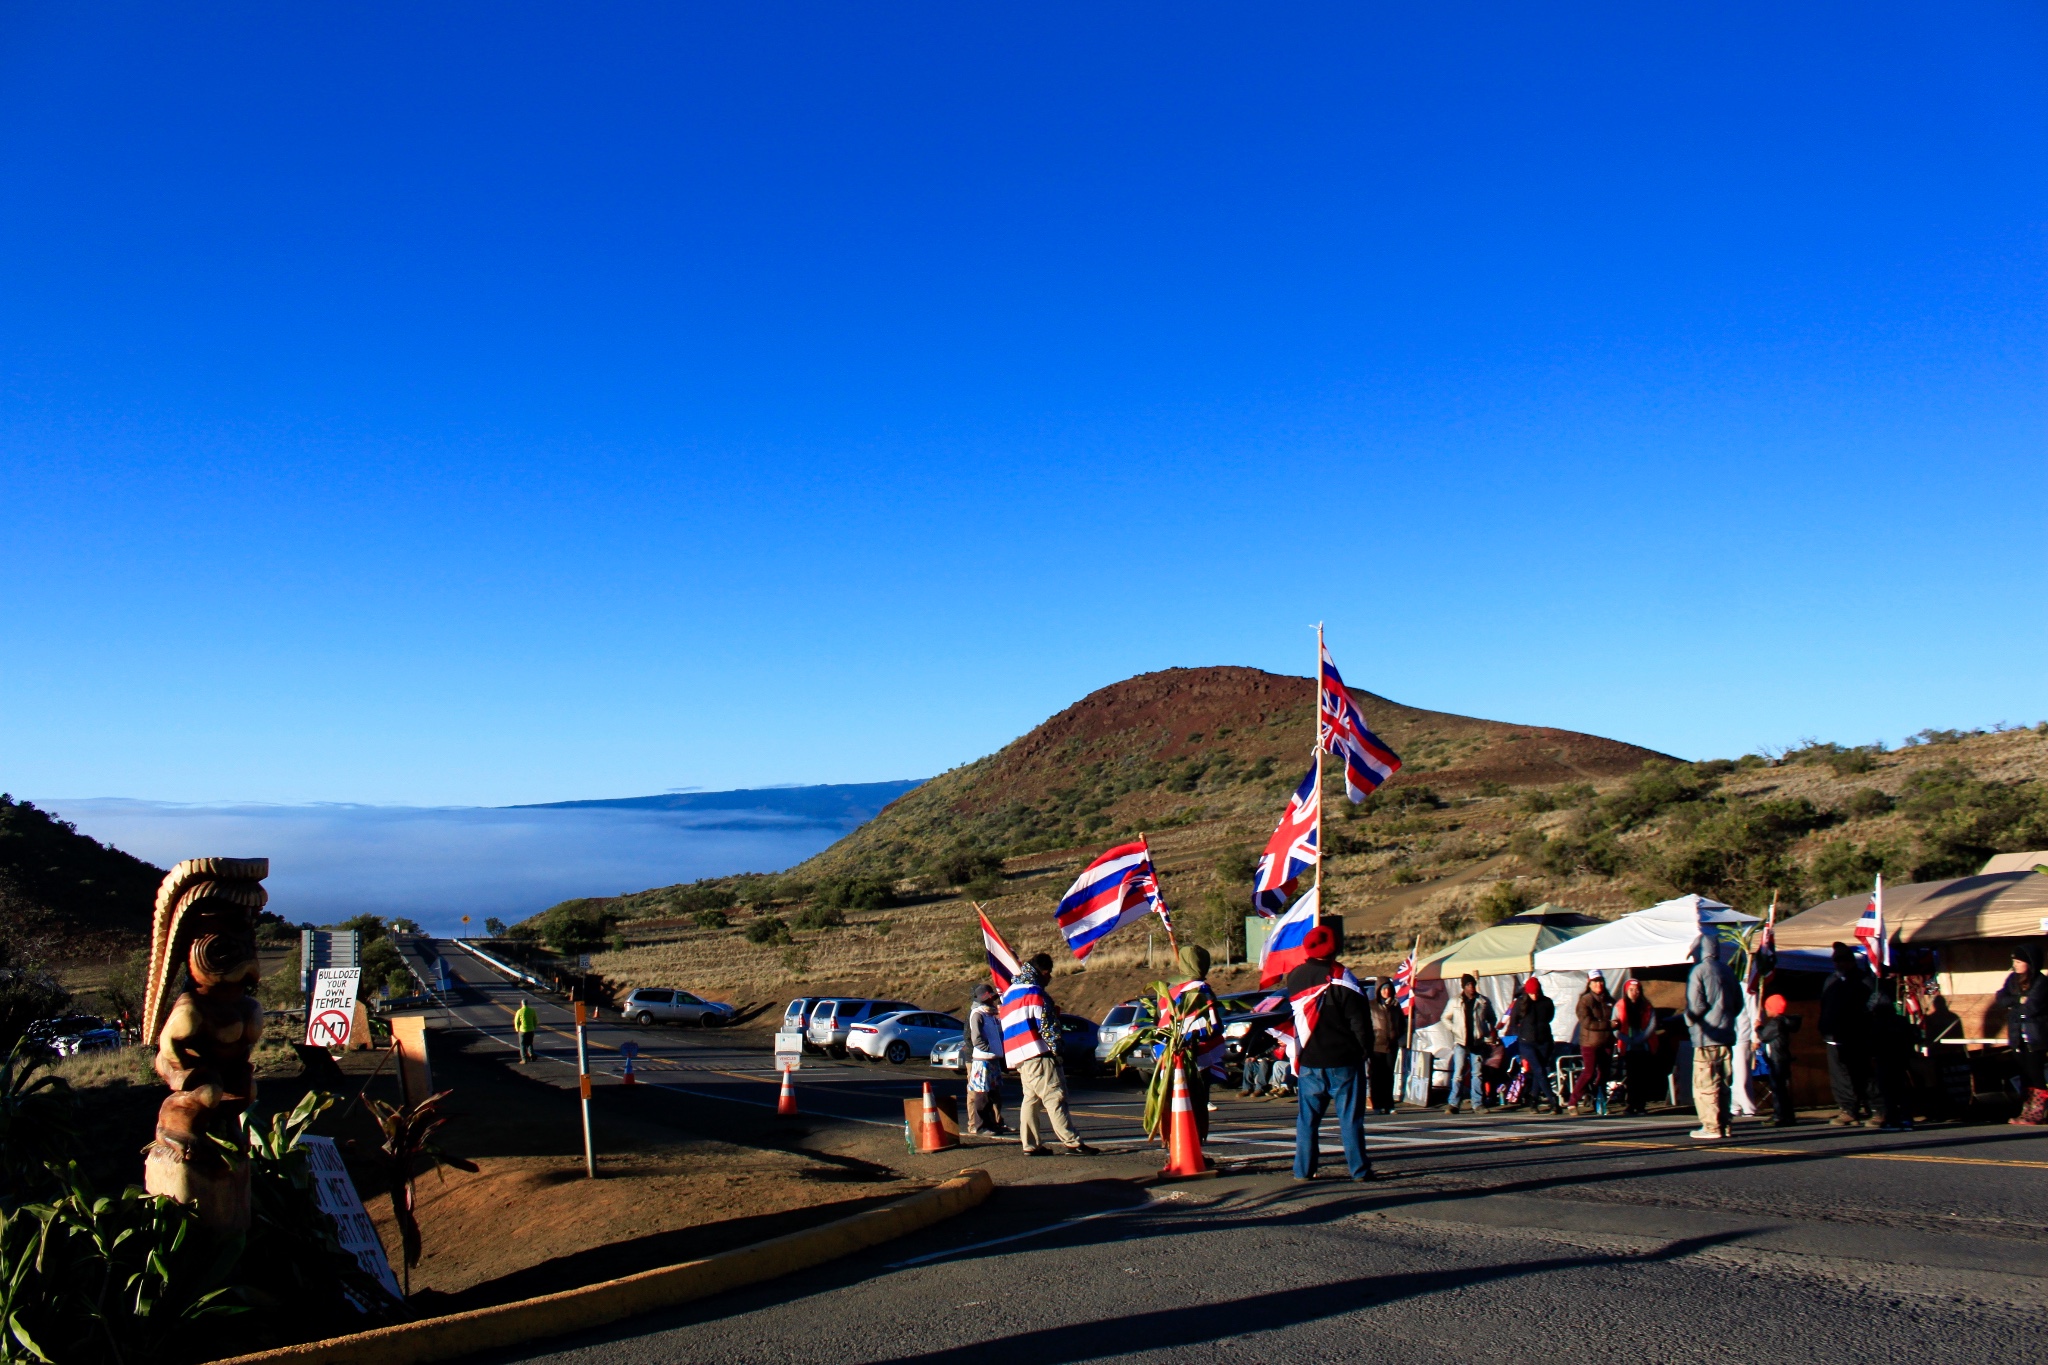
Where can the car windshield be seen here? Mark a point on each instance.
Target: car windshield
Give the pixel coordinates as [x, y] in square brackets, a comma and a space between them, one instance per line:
[1121, 1015]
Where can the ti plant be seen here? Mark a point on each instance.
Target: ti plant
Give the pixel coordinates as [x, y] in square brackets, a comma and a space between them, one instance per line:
[408, 1142]
[1163, 1041]
[37, 1124]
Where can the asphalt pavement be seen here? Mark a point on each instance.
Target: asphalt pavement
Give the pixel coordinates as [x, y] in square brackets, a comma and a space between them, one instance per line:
[1485, 1238]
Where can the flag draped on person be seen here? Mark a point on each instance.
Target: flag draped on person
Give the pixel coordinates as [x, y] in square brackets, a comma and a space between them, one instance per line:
[1307, 1003]
[1027, 1022]
[1002, 961]
[1341, 730]
[1870, 930]
[1291, 851]
[1118, 887]
[1286, 945]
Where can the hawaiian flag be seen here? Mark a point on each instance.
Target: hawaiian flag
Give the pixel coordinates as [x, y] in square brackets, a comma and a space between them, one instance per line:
[1340, 730]
[1308, 1002]
[1291, 851]
[1002, 961]
[1404, 981]
[1285, 947]
[1120, 886]
[1870, 930]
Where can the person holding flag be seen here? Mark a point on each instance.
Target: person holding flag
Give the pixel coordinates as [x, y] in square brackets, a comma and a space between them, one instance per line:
[1333, 1032]
[1031, 1049]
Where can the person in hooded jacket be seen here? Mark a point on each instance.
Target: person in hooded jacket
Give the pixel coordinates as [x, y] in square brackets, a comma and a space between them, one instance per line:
[2024, 997]
[1713, 1002]
[984, 1043]
[1389, 1035]
[1530, 1020]
[1845, 1027]
[1635, 1032]
[1774, 1040]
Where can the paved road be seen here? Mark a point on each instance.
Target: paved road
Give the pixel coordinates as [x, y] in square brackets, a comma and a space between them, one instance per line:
[1487, 1239]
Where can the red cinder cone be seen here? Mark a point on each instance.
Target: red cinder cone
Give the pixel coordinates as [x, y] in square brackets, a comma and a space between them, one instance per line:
[1183, 1139]
[786, 1106]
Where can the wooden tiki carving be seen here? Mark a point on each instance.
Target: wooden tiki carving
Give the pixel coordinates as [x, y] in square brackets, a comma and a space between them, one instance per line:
[201, 1011]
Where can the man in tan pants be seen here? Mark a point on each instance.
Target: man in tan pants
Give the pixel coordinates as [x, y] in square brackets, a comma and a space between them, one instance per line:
[1031, 1049]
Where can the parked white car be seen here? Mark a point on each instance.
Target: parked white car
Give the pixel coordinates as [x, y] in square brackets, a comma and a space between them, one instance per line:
[831, 1019]
[900, 1036]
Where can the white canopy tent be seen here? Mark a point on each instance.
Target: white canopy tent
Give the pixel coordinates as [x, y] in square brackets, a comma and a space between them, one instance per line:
[1664, 935]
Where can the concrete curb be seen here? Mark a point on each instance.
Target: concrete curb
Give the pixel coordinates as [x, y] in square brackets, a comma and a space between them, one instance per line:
[576, 1310]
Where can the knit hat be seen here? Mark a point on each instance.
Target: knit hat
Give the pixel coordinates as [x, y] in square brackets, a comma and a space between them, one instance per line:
[1531, 987]
[2029, 953]
[1194, 960]
[1320, 943]
[1774, 1005]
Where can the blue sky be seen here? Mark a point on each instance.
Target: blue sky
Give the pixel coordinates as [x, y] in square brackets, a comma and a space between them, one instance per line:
[496, 403]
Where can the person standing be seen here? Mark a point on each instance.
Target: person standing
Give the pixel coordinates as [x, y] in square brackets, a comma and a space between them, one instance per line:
[1530, 1021]
[1596, 1043]
[1335, 1032]
[1845, 1028]
[1031, 1049]
[2024, 997]
[1938, 1059]
[1472, 1024]
[1635, 1028]
[1193, 1004]
[1712, 1002]
[1774, 1040]
[1389, 1036]
[985, 1065]
[524, 1023]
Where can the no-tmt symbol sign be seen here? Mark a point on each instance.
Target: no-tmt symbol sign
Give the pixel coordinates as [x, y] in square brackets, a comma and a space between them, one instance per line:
[331, 1013]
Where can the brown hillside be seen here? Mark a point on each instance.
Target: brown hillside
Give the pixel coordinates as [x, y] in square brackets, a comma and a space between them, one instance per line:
[1189, 745]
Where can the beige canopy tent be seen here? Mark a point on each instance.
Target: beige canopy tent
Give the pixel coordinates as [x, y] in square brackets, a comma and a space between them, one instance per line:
[1501, 957]
[2001, 905]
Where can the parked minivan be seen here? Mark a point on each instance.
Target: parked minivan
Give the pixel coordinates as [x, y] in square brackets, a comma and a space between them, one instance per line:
[832, 1018]
[661, 1005]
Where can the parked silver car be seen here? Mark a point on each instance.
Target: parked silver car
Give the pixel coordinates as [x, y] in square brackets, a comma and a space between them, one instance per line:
[900, 1036]
[950, 1051]
[661, 1005]
[831, 1019]
[1120, 1020]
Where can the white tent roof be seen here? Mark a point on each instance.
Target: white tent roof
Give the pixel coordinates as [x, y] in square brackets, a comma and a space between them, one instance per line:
[1662, 936]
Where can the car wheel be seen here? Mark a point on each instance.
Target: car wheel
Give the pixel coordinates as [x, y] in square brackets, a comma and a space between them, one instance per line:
[899, 1052]
[707, 1019]
[644, 1019]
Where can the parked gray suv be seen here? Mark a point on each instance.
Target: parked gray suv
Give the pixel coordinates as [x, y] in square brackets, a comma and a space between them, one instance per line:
[660, 1005]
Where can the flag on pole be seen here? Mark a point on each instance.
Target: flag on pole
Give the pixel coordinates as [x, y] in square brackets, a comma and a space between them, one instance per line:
[1118, 887]
[1763, 952]
[1002, 960]
[1404, 981]
[1291, 851]
[1870, 930]
[1285, 947]
[1341, 730]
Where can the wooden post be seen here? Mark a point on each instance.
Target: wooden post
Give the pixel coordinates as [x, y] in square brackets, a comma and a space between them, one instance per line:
[583, 1085]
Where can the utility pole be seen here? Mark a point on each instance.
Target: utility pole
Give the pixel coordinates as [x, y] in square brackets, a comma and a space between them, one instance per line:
[583, 1084]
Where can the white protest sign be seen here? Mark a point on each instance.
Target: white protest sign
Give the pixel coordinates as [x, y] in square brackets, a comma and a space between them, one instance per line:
[331, 1012]
[789, 1051]
[339, 1201]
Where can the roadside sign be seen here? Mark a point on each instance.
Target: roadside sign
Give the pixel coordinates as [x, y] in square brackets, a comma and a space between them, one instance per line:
[789, 1051]
[338, 1199]
[331, 1012]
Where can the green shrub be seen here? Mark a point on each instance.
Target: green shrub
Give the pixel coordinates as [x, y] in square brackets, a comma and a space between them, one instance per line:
[494, 926]
[768, 929]
[1962, 819]
[1844, 867]
[964, 865]
[855, 893]
[819, 915]
[1538, 801]
[578, 926]
[1237, 865]
[1867, 801]
[987, 886]
[1527, 844]
[711, 919]
[1500, 901]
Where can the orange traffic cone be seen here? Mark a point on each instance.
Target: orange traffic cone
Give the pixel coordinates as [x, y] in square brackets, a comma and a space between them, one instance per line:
[931, 1134]
[1184, 1157]
[785, 1107]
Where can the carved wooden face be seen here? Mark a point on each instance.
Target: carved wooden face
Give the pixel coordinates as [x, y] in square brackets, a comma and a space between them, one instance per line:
[223, 951]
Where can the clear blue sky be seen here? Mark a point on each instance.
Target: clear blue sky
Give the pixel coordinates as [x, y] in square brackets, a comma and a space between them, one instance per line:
[512, 402]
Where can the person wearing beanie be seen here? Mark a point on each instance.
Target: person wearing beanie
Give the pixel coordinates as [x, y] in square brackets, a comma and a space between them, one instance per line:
[1193, 1003]
[1596, 1042]
[1774, 1040]
[1530, 1019]
[1330, 1009]
[2024, 997]
[984, 1042]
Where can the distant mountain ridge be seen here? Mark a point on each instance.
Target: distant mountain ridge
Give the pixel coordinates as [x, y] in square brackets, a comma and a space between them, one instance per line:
[838, 805]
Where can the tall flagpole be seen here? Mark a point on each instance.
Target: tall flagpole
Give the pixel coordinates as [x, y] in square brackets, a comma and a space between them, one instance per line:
[1318, 714]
